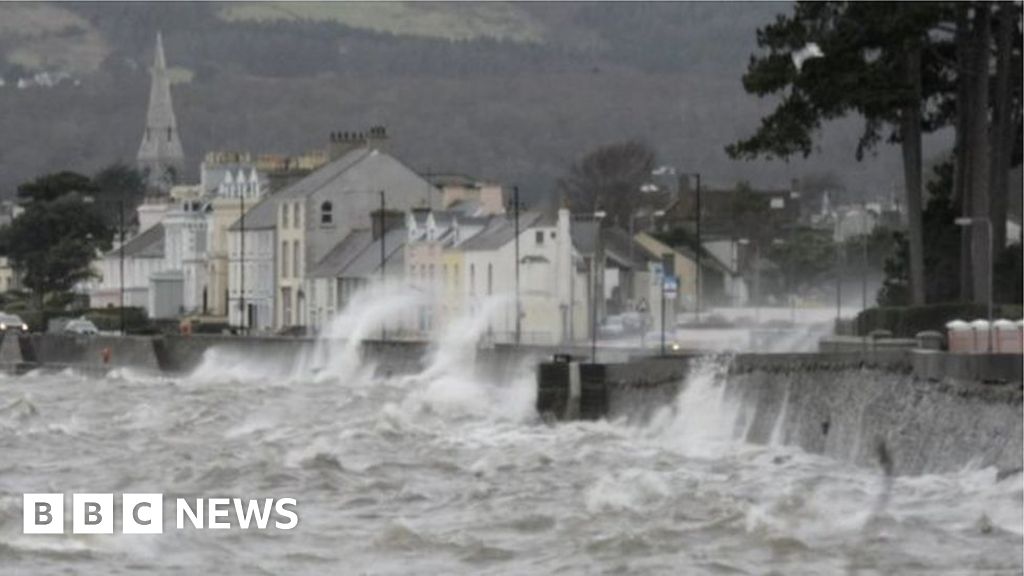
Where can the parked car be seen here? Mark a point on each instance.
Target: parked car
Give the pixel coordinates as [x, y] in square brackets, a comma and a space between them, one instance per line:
[81, 326]
[12, 322]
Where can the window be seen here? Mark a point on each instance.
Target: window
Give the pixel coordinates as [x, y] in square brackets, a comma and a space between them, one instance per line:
[284, 259]
[296, 260]
[326, 213]
[297, 212]
[540, 237]
[284, 215]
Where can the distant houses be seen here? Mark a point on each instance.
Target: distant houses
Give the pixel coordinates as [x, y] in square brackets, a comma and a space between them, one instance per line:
[270, 244]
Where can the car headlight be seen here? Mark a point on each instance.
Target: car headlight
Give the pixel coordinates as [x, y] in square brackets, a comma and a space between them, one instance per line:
[24, 327]
[3, 326]
[675, 346]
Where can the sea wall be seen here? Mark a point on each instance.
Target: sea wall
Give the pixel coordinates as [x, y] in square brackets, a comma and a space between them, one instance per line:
[847, 407]
[925, 426]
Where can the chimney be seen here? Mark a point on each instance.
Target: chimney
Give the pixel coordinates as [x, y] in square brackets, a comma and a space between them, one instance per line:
[342, 143]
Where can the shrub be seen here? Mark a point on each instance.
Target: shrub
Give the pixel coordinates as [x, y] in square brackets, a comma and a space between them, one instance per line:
[135, 319]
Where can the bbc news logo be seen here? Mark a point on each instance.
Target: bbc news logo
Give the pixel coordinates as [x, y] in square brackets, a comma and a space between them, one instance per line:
[144, 513]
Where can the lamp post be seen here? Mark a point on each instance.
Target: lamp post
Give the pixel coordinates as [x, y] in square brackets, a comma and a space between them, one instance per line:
[757, 276]
[839, 281]
[864, 256]
[121, 258]
[243, 320]
[700, 273]
[383, 258]
[516, 205]
[598, 216]
[967, 222]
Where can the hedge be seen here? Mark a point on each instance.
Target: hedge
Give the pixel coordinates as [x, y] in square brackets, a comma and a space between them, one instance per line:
[907, 321]
[109, 319]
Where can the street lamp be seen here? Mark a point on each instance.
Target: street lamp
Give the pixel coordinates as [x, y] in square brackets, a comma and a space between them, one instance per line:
[700, 274]
[383, 258]
[243, 316]
[598, 216]
[516, 206]
[967, 222]
[757, 276]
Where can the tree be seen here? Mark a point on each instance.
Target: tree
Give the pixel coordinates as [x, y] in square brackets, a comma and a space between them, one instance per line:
[115, 184]
[609, 178]
[52, 186]
[54, 241]
[876, 63]
[805, 257]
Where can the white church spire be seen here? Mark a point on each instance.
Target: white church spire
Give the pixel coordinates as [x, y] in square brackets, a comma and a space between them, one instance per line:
[160, 154]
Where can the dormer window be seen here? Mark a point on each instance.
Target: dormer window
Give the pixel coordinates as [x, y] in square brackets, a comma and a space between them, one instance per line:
[327, 213]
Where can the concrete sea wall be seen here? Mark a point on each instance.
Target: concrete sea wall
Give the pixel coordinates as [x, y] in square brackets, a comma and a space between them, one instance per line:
[928, 418]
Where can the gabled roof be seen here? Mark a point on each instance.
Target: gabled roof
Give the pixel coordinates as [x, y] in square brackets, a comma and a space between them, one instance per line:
[148, 244]
[262, 216]
[331, 265]
[500, 231]
[367, 262]
[358, 255]
[584, 235]
[625, 250]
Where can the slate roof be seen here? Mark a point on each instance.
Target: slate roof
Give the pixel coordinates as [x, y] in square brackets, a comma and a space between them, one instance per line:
[358, 255]
[262, 216]
[617, 246]
[584, 235]
[331, 265]
[148, 244]
[499, 231]
[367, 262]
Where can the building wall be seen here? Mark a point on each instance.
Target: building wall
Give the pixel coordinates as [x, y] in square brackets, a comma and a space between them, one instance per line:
[356, 195]
[136, 275]
[553, 293]
[291, 262]
[685, 269]
[260, 278]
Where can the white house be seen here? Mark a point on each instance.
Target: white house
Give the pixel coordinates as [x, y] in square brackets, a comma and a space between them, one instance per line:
[143, 256]
[554, 284]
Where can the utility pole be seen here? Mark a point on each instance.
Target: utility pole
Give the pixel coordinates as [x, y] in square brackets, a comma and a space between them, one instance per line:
[519, 311]
[839, 282]
[243, 320]
[383, 258]
[121, 225]
[700, 273]
[663, 311]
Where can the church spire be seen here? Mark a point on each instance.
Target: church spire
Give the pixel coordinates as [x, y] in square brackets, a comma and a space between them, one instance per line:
[160, 154]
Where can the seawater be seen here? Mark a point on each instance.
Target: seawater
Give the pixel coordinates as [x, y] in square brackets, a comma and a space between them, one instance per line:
[447, 472]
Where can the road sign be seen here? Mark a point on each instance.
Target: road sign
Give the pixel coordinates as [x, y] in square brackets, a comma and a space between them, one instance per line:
[641, 306]
[671, 287]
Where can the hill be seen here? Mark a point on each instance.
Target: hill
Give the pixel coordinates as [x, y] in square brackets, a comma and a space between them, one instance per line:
[513, 92]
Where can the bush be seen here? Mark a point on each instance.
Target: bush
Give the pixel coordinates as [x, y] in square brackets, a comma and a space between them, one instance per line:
[907, 321]
[109, 319]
